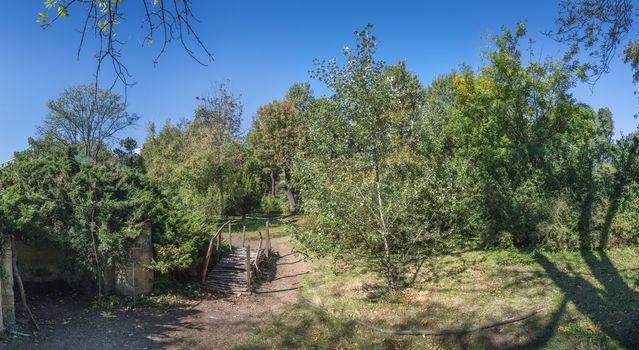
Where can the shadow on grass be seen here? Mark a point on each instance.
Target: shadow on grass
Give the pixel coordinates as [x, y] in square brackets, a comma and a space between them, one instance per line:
[305, 327]
[613, 308]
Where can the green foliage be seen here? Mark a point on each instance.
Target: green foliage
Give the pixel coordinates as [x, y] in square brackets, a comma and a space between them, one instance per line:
[87, 116]
[194, 162]
[277, 133]
[367, 174]
[245, 189]
[274, 205]
[502, 157]
[541, 159]
[204, 173]
[92, 210]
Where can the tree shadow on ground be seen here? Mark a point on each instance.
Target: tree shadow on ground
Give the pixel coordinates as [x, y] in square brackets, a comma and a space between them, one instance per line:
[307, 327]
[613, 307]
[609, 302]
[68, 321]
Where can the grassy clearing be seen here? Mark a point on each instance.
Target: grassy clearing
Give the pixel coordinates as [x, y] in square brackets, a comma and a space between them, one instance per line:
[278, 226]
[591, 300]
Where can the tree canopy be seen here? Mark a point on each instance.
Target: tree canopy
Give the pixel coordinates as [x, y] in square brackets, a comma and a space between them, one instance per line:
[87, 116]
[277, 134]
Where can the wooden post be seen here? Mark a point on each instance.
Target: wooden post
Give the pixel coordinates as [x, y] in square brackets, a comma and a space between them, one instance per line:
[248, 268]
[230, 240]
[257, 257]
[268, 240]
[217, 249]
[243, 235]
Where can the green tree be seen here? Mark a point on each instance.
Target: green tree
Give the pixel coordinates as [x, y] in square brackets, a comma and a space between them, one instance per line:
[196, 159]
[531, 145]
[213, 148]
[128, 153]
[245, 190]
[276, 135]
[363, 175]
[87, 116]
[92, 211]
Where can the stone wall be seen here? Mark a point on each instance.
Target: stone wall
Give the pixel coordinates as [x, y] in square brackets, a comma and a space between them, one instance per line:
[40, 263]
[44, 262]
[132, 276]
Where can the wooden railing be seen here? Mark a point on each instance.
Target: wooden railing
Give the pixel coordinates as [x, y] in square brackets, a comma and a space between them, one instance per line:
[215, 243]
[216, 237]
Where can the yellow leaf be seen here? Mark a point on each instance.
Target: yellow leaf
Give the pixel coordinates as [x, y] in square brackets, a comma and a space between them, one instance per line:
[42, 17]
[62, 11]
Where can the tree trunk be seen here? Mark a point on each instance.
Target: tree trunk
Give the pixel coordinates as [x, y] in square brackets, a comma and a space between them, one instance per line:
[388, 264]
[221, 188]
[95, 252]
[289, 192]
[273, 189]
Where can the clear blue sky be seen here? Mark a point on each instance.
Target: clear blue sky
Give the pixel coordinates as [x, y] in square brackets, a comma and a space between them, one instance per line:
[262, 47]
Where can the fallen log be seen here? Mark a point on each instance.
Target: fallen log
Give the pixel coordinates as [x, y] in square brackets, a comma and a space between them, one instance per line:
[11, 331]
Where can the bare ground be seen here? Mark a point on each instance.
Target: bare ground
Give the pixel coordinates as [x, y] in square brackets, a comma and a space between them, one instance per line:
[68, 322]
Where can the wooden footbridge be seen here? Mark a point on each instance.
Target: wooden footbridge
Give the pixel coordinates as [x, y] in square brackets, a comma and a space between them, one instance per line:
[235, 272]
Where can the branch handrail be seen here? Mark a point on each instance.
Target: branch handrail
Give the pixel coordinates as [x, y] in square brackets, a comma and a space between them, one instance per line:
[259, 248]
[209, 251]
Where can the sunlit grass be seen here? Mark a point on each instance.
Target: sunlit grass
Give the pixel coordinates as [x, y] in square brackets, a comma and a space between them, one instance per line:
[591, 300]
[279, 226]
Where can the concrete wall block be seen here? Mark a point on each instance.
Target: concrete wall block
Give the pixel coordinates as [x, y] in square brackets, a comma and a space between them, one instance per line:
[133, 275]
[8, 299]
[41, 263]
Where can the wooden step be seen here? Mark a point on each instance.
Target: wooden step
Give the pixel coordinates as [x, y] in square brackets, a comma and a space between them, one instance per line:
[228, 275]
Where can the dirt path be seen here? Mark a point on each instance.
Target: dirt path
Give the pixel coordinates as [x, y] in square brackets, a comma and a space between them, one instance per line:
[222, 323]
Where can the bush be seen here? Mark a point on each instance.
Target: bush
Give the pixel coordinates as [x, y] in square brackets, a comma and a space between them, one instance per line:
[560, 230]
[274, 205]
[625, 226]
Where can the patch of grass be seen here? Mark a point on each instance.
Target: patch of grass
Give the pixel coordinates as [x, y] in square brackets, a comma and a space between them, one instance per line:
[591, 301]
[107, 314]
[109, 302]
[278, 226]
[507, 257]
